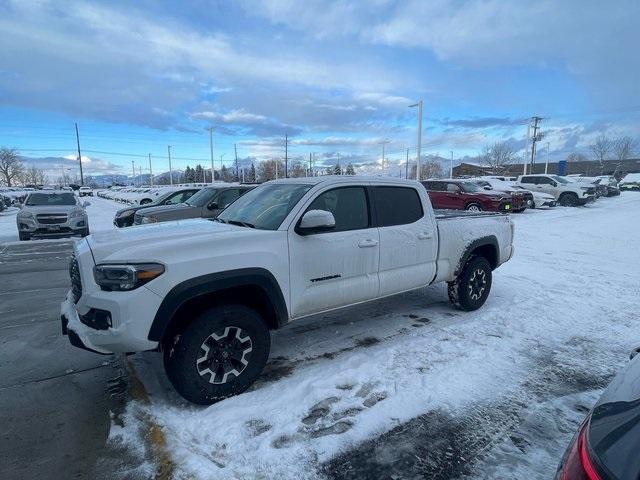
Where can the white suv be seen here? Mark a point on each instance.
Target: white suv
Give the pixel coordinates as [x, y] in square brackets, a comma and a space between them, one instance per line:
[566, 193]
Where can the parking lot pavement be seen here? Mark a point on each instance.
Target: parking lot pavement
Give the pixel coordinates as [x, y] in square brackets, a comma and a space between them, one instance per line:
[54, 407]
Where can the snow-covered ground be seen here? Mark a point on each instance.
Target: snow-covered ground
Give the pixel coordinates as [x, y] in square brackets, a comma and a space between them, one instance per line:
[410, 388]
[100, 213]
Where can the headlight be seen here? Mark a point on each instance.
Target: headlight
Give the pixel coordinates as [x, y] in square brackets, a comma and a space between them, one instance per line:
[115, 278]
[125, 213]
[77, 214]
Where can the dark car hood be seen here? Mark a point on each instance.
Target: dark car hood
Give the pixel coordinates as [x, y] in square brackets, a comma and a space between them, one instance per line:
[614, 429]
[182, 209]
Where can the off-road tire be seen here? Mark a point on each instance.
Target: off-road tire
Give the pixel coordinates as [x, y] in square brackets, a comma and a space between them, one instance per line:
[183, 353]
[471, 205]
[463, 290]
[568, 200]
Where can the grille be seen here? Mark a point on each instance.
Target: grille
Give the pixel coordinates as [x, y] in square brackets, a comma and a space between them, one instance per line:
[51, 218]
[76, 283]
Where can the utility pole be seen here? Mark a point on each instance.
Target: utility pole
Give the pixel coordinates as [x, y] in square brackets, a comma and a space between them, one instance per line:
[276, 160]
[419, 105]
[310, 166]
[133, 169]
[235, 149]
[221, 165]
[150, 172]
[170, 169]
[534, 139]
[546, 164]
[79, 155]
[286, 156]
[406, 166]
[211, 151]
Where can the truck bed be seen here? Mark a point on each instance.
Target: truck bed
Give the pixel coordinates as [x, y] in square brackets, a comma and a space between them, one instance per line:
[445, 214]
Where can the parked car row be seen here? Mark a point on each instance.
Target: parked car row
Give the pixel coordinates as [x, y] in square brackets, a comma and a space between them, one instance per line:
[14, 195]
[142, 195]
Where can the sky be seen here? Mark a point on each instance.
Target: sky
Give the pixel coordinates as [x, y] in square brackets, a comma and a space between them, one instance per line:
[337, 77]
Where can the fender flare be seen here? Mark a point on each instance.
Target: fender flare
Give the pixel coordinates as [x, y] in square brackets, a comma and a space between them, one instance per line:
[215, 282]
[480, 242]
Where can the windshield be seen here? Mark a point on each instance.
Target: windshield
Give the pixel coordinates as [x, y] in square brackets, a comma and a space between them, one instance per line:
[201, 198]
[559, 179]
[51, 199]
[264, 207]
[470, 187]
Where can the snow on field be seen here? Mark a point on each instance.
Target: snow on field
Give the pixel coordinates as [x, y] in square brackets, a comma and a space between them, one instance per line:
[409, 387]
[100, 213]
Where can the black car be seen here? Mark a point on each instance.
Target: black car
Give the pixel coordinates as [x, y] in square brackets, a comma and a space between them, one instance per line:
[607, 445]
[124, 217]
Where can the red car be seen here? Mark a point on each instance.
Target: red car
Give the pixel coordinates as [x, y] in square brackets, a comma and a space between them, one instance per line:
[460, 195]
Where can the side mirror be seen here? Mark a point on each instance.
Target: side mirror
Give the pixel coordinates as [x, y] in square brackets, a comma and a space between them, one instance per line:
[167, 202]
[316, 221]
[554, 184]
[213, 206]
[86, 204]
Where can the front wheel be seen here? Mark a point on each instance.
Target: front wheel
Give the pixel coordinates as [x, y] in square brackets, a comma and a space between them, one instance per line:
[473, 207]
[568, 199]
[220, 354]
[471, 288]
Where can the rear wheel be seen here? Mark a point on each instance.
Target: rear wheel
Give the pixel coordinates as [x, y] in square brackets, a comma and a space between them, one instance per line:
[473, 207]
[220, 354]
[568, 199]
[471, 288]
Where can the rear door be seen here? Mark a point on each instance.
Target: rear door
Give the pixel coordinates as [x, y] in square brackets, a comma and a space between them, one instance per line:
[339, 267]
[455, 197]
[408, 240]
[221, 201]
[546, 185]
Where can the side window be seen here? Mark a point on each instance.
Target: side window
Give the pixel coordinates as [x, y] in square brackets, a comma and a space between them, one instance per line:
[528, 180]
[176, 198]
[349, 207]
[544, 181]
[434, 186]
[397, 206]
[452, 188]
[227, 197]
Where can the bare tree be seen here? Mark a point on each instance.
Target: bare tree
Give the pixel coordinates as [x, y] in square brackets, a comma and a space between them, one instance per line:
[11, 167]
[34, 175]
[601, 149]
[297, 170]
[624, 148]
[577, 157]
[497, 157]
[267, 170]
[429, 169]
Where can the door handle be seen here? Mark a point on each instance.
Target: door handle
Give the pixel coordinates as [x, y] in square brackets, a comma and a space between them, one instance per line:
[369, 242]
[425, 235]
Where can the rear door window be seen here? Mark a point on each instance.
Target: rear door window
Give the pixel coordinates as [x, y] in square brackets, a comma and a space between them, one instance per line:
[397, 206]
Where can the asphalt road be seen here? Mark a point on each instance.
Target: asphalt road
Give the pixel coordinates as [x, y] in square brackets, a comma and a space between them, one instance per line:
[54, 403]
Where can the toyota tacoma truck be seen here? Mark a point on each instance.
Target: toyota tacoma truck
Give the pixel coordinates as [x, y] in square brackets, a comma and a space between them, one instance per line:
[207, 293]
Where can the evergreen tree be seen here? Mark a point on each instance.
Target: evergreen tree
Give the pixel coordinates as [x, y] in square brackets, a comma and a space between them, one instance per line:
[199, 174]
[350, 170]
[252, 173]
[337, 170]
[189, 175]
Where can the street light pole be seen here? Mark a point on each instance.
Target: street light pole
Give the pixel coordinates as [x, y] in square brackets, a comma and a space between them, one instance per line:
[419, 145]
[211, 151]
[150, 172]
[451, 165]
[170, 169]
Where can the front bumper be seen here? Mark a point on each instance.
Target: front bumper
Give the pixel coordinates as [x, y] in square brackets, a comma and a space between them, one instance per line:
[73, 226]
[131, 316]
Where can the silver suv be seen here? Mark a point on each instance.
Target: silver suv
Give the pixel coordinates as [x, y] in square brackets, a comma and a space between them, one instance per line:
[52, 214]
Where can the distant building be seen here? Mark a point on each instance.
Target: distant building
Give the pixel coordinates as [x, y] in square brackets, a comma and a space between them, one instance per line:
[590, 168]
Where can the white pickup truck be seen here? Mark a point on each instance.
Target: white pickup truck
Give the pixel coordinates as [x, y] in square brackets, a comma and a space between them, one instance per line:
[207, 292]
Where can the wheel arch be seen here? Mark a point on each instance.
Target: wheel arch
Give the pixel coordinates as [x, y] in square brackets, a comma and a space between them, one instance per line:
[486, 247]
[253, 287]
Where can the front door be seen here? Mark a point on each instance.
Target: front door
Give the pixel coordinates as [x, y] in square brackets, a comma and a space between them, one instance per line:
[338, 267]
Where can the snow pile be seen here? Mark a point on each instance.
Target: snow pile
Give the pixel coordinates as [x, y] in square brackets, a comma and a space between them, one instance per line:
[560, 320]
